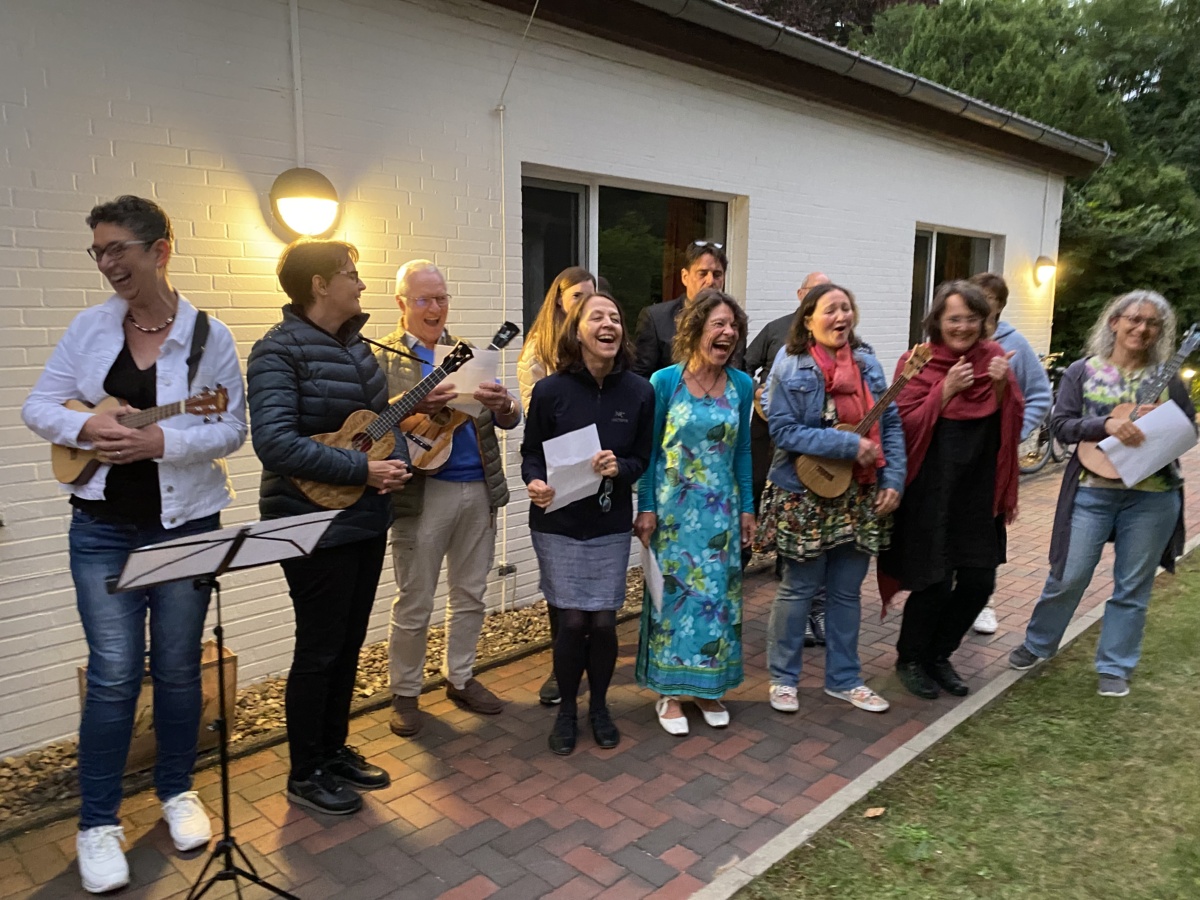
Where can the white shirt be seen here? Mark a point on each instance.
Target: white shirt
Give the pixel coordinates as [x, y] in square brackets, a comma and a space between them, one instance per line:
[192, 476]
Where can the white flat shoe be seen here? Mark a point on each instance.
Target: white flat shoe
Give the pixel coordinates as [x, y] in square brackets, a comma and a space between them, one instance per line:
[716, 718]
[677, 726]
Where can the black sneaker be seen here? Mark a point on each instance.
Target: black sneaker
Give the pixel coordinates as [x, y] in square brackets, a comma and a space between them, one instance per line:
[816, 622]
[349, 766]
[565, 733]
[324, 793]
[549, 695]
[916, 680]
[947, 679]
[603, 729]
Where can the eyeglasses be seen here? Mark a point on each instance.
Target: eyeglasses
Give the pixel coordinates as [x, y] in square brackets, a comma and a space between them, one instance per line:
[1135, 321]
[605, 498]
[442, 300]
[116, 249]
[963, 320]
[703, 243]
[352, 274]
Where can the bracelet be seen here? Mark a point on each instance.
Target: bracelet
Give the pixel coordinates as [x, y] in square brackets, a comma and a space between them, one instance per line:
[512, 406]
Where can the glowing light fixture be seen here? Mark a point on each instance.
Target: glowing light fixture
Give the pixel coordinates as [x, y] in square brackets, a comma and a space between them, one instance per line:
[304, 201]
[1044, 269]
[1188, 374]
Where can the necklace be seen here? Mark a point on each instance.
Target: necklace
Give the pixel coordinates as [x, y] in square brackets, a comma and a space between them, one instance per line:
[155, 330]
[708, 395]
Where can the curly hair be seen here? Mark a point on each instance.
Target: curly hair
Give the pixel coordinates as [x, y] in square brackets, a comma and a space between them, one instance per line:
[143, 217]
[1102, 338]
[694, 315]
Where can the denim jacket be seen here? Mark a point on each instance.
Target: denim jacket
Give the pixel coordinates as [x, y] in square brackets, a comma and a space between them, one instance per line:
[795, 403]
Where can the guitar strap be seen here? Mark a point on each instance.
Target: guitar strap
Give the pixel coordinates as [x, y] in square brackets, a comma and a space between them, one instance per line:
[199, 339]
[367, 340]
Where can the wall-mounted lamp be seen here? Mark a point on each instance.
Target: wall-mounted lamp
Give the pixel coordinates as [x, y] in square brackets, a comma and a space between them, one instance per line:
[1044, 269]
[304, 201]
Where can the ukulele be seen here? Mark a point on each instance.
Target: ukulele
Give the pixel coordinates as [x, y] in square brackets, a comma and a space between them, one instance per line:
[371, 433]
[1146, 399]
[430, 437]
[74, 465]
[830, 478]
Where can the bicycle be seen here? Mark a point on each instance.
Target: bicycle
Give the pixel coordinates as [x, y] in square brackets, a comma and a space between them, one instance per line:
[1042, 446]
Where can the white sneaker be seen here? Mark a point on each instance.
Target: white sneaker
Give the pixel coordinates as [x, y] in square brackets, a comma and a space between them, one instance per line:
[102, 865]
[785, 698]
[187, 820]
[985, 622]
[862, 697]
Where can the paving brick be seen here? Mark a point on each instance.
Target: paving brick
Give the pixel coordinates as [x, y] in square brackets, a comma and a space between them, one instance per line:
[475, 836]
[520, 838]
[501, 869]
[649, 868]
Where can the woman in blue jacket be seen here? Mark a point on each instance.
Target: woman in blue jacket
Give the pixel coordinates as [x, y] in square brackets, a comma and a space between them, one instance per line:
[583, 547]
[305, 376]
[823, 378]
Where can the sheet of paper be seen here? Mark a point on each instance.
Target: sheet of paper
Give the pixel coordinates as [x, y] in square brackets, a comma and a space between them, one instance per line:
[569, 466]
[1169, 435]
[653, 577]
[480, 369]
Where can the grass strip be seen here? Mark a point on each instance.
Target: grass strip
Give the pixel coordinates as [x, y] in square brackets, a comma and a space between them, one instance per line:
[1053, 791]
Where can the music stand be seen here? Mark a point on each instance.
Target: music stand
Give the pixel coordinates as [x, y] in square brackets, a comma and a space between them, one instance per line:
[206, 557]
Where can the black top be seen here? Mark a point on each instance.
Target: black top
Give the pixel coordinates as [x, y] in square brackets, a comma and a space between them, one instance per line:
[622, 409]
[766, 346]
[131, 491]
[945, 521]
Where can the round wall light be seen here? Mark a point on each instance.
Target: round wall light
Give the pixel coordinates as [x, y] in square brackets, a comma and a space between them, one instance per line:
[1044, 269]
[304, 201]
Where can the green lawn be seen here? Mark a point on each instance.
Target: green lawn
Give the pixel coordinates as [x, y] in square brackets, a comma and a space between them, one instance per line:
[1052, 792]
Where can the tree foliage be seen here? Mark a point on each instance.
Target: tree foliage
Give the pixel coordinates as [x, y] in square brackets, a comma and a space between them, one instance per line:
[829, 19]
[1124, 71]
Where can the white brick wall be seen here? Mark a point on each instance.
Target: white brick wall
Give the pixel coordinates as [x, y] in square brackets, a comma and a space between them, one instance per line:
[190, 102]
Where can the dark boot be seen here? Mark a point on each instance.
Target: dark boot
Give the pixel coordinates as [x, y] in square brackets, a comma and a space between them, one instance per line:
[603, 729]
[916, 680]
[949, 680]
[565, 733]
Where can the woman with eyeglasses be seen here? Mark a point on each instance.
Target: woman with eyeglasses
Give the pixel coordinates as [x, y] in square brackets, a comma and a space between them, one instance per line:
[696, 513]
[305, 376]
[538, 358]
[583, 547]
[962, 420]
[1133, 336]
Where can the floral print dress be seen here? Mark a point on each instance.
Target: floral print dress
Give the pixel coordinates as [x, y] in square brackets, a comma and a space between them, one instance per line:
[693, 646]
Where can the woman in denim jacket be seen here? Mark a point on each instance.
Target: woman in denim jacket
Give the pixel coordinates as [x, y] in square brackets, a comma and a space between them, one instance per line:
[823, 378]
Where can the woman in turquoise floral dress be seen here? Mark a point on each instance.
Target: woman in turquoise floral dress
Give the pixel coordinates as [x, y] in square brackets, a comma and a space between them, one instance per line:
[696, 512]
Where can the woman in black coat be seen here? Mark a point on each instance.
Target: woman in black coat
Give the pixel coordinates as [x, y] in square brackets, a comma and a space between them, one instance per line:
[583, 547]
[305, 376]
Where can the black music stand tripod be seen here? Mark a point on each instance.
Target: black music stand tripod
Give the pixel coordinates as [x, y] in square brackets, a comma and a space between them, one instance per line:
[205, 558]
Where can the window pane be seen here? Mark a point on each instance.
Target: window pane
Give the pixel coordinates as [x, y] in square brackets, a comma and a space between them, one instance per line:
[552, 237]
[960, 256]
[921, 292]
[642, 239]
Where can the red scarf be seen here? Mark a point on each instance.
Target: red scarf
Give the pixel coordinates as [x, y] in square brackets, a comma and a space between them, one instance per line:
[851, 397]
[920, 405]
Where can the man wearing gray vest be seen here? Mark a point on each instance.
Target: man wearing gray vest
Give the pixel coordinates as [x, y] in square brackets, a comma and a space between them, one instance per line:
[450, 515]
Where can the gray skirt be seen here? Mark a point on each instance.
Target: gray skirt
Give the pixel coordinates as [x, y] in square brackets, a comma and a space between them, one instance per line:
[587, 575]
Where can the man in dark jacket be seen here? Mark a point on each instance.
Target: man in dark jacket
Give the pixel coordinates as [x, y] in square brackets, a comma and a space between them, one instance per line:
[450, 515]
[705, 265]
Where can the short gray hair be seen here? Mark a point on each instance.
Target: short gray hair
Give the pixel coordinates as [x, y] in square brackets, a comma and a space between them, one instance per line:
[413, 267]
[1102, 339]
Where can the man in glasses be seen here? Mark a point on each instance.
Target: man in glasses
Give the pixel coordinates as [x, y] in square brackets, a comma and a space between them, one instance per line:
[1031, 376]
[449, 515]
[704, 267]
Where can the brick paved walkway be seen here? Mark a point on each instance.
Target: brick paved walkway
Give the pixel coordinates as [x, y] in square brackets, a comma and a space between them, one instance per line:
[479, 807]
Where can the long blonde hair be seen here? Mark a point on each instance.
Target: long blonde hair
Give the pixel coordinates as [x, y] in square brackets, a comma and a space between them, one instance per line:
[542, 338]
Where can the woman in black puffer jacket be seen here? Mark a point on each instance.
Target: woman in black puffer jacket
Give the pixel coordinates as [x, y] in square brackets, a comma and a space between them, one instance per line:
[305, 376]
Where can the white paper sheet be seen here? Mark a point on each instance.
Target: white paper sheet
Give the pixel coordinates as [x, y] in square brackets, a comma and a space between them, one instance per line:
[569, 466]
[653, 577]
[1169, 435]
[480, 369]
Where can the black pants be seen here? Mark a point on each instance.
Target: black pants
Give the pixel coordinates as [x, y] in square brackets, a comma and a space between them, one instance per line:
[937, 617]
[332, 594]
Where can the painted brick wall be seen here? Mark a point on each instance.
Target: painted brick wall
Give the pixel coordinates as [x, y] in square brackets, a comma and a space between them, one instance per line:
[190, 102]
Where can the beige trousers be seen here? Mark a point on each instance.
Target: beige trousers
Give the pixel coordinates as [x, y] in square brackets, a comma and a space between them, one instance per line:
[457, 525]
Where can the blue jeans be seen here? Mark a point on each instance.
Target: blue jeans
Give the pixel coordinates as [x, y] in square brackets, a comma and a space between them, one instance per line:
[840, 572]
[1143, 523]
[115, 628]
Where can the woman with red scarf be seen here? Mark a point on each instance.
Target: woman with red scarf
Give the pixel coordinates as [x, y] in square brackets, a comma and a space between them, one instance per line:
[962, 422]
[824, 377]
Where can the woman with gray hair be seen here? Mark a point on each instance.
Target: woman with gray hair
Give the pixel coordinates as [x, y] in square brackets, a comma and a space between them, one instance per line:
[1133, 336]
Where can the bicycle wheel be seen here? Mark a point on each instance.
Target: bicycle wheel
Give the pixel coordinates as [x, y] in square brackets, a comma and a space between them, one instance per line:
[1034, 453]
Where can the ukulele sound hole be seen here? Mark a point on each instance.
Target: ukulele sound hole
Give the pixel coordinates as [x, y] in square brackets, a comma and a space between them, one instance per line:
[362, 442]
